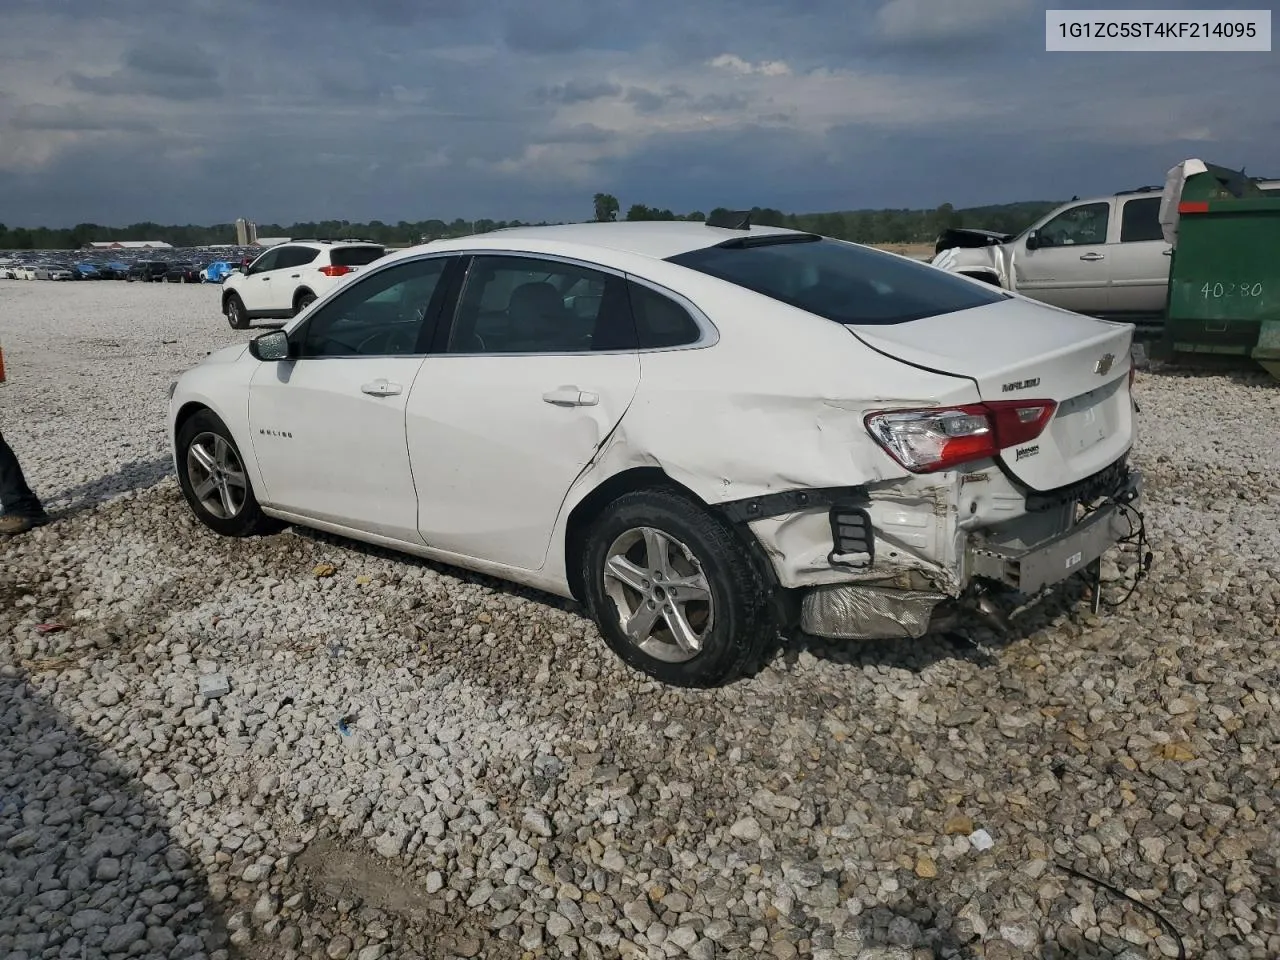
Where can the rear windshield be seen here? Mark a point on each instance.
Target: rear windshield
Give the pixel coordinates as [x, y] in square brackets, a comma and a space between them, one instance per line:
[355, 256]
[841, 281]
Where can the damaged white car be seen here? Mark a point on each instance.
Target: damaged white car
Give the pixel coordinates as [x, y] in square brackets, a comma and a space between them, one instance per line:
[704, 432]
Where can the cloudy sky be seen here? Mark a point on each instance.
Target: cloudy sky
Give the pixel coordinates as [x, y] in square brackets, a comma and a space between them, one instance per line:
[199, 111]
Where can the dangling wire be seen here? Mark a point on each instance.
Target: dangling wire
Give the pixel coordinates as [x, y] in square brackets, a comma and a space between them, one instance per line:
[1137, 538]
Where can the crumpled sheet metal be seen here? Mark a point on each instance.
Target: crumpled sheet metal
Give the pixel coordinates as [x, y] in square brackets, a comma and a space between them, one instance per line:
[858, 612]
[973, 259]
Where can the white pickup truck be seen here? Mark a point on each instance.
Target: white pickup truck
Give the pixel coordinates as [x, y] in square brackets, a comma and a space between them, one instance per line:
[1105, 256]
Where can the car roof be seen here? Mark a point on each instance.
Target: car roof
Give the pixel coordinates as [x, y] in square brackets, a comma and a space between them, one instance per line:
[327, 244]
[658, 239]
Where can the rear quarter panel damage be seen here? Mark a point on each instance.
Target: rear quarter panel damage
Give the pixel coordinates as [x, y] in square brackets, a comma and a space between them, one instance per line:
[914, 520]
[782, 409]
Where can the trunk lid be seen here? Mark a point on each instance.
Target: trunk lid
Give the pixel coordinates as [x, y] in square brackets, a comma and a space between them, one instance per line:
[1019, 350]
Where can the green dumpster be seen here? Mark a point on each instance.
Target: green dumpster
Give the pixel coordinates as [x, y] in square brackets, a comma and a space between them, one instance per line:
[1224, 278]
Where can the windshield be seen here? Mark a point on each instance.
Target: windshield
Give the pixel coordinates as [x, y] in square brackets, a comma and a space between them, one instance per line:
[840, 281]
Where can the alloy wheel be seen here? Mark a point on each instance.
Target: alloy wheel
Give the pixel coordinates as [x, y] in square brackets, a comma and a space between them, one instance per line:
[217, 476]
[664, 601]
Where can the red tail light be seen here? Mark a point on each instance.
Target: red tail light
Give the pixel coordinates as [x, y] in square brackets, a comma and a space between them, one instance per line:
[333, 270]
[929, 440]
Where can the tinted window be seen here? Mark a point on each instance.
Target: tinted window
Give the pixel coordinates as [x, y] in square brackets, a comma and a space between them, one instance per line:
[355, 256]
[526, 305]
[841, 281]
[1141, 220]
[381, 315]
[1085, 224]
[268, 261]
[660, 321]
[295, 256]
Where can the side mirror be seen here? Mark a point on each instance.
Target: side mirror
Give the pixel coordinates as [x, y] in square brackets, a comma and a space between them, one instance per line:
[270, 346]
[1033, 240]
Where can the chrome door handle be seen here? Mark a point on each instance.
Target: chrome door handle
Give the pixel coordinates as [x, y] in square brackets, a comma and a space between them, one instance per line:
[570, 396]
[1093, 256]
[380, 388]
[1169, 252]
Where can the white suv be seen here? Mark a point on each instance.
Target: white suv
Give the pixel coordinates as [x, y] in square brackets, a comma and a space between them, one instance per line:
[283, 281]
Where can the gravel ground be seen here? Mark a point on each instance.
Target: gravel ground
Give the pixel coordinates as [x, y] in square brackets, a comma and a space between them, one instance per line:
[416, 762]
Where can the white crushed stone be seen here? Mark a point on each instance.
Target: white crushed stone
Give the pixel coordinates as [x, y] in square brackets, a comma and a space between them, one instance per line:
[432, 764]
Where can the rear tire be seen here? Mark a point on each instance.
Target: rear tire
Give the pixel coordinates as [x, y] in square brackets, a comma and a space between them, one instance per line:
[304, 300]
[236, 314]
[214, 481]
[681, 578]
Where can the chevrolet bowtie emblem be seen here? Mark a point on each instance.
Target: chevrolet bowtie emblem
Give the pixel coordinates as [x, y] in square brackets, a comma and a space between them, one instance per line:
[1104, 364]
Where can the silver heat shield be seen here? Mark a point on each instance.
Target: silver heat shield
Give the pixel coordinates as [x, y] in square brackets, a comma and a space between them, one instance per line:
[857, 612]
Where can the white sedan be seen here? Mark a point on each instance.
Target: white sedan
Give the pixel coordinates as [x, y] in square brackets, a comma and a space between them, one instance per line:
[708, 434]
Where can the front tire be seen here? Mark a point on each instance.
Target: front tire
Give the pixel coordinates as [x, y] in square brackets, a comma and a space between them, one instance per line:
[675, 591]
[213, 478]
[236, 314]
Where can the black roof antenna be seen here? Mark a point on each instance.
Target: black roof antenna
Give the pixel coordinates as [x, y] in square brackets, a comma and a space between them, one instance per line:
[730, 219]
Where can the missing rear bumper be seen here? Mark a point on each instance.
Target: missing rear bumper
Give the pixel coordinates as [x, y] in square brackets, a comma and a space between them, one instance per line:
[1030, 570]
[875, 611]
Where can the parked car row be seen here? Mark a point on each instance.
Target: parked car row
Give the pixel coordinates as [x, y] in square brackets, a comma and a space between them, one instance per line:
[189, 265]
[147, 271]
[158, 271]
[40, 271]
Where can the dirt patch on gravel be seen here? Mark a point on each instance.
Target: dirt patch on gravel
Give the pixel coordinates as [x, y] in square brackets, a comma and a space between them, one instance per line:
[337, 877]
[338, 873]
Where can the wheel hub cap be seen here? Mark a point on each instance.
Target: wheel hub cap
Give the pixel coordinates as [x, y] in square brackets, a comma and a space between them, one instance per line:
[661, 594]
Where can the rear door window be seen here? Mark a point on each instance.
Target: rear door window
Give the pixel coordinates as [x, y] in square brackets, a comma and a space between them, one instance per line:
[660, 321]
[513, 304]
[1141, 220]
[296, 256]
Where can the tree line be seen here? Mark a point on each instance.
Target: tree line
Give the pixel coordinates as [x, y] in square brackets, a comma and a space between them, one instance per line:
[861, 226]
